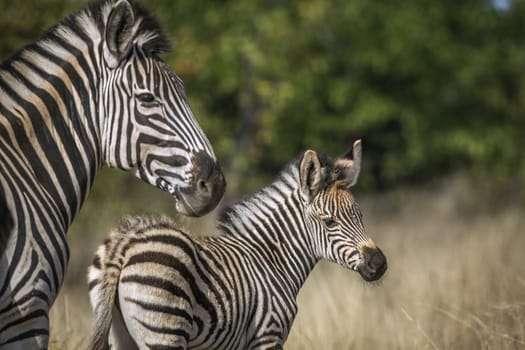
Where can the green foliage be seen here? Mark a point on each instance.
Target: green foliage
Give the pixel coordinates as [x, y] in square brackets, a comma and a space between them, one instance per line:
[23, 21]
[430, 86]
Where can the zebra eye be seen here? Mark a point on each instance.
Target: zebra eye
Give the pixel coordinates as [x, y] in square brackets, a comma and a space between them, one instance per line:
[329, 222]
[146, 97]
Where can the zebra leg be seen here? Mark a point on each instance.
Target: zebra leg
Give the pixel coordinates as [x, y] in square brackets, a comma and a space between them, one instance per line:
[272, 346]
[266, 341]
[25, 326]
[25, 299]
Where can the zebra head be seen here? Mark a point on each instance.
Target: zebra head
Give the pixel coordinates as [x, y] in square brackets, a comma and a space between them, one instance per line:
[333, 216]
[148, 127]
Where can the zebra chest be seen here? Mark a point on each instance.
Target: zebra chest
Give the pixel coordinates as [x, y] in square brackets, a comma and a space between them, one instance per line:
[275, 308]
[265, 309]
[239, 306]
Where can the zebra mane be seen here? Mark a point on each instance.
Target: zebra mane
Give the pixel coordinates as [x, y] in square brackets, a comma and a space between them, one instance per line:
[287, 180]
[150, 35]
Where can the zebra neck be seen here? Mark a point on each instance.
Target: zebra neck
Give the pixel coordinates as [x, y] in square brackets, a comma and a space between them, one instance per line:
[50, 130]
[272, 222]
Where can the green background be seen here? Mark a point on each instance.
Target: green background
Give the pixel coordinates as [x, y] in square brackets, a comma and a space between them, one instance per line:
[432, 87]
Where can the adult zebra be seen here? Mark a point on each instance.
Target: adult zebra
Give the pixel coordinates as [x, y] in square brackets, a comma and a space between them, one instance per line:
[91, 92]
[236, 290]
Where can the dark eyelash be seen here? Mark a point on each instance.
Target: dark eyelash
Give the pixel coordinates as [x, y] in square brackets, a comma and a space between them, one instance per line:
[146, 97]
[329, 222]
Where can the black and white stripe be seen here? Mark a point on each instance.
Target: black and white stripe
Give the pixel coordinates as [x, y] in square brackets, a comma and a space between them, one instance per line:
[158, 288]
[91, 92]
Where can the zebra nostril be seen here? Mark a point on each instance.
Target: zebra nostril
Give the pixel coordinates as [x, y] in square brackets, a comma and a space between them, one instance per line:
[374, 264]
[371, 267]
[207, 186]
[203, 186]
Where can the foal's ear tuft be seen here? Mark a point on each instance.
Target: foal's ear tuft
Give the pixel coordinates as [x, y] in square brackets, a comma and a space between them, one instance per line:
[311, 174]
[349, 165]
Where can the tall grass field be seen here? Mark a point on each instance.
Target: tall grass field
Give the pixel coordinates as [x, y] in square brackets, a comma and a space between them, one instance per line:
[456, 277]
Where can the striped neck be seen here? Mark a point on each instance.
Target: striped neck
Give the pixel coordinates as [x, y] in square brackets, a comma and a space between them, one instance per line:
[272, 221]
[49, 95]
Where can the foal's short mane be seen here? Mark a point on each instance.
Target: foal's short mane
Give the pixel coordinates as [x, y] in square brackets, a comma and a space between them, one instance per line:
[332, 174]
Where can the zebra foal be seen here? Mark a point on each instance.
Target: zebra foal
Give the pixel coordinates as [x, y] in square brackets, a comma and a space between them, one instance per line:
[158, 288]
[92, 91]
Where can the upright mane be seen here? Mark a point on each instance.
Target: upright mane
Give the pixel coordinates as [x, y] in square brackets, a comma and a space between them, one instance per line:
[150, 36]
[288, 178]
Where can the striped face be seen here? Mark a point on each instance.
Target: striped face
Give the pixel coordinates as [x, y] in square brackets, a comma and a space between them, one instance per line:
[338, 222]
[148, 127]
[151, 131]
[333, 217]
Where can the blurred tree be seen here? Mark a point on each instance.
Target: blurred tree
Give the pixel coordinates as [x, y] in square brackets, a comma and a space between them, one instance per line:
[23, 21]
[429, 86]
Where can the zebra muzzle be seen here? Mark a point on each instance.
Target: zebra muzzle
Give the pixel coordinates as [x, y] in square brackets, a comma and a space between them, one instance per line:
[373, 265]
[206, 189]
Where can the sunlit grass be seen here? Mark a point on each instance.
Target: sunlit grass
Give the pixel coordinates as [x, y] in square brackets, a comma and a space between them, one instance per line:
[456, 280]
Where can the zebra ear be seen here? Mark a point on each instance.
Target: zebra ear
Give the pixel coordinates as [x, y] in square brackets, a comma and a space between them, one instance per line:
[120, 30]
[310, 174]
[350, 165]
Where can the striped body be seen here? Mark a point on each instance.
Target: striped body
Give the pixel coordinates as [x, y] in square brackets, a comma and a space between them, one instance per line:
[91, 92]
[236, 290]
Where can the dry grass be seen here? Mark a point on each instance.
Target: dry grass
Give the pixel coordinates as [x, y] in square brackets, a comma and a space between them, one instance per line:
[456, 280]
